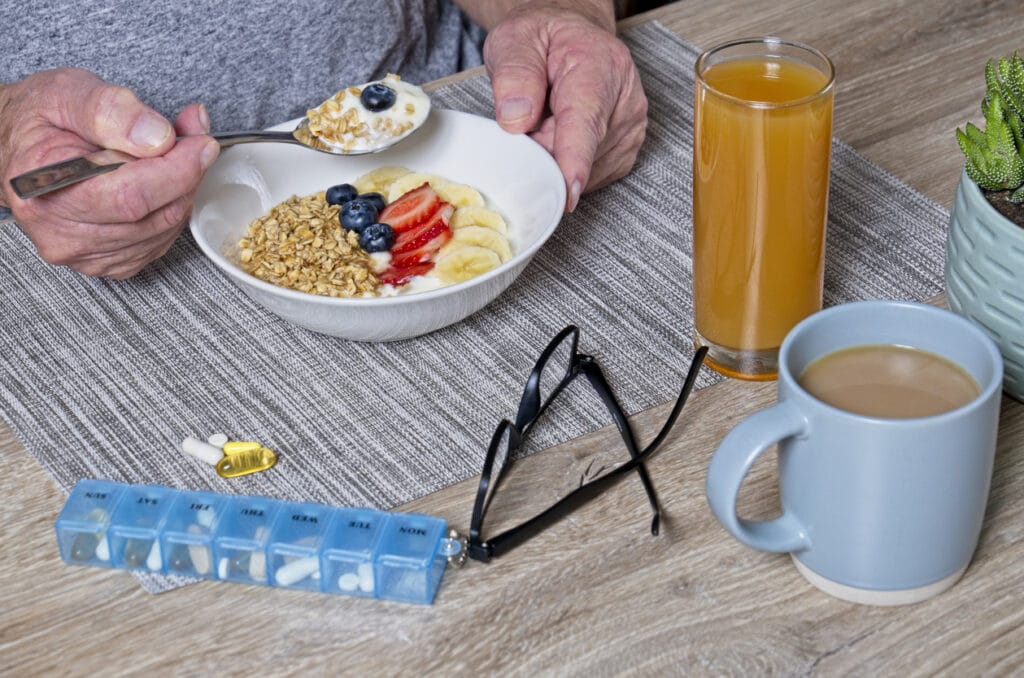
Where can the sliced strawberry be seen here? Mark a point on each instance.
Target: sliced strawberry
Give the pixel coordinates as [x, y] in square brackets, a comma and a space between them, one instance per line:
[400, 276]
[423, 253]
[411, 209]
[434, 232]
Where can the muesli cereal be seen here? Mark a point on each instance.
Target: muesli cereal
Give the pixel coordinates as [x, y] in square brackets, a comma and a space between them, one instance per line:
[352, 241]
[300, 245]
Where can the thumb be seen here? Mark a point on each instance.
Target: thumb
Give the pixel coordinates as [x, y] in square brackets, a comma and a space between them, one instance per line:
[109, 116]
[517, 64]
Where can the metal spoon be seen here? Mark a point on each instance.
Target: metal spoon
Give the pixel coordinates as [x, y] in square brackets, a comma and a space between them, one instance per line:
[50, 178]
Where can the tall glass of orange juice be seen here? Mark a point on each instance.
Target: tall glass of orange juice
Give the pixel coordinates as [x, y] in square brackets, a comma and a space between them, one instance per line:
[762, 146]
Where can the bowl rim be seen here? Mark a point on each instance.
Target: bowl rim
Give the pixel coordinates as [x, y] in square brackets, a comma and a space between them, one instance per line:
[521, 258]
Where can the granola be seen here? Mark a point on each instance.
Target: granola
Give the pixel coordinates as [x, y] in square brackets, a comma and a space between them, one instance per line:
[300, 245]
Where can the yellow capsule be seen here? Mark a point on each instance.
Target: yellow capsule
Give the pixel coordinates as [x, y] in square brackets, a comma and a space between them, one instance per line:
[244, 463]
[240, 446]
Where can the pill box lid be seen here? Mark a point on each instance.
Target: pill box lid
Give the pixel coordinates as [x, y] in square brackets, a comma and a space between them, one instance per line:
[90, 504]
[412, 539]
[356, 532]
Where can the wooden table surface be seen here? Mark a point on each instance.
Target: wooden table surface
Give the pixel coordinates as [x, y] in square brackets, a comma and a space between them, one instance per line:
[597, 593]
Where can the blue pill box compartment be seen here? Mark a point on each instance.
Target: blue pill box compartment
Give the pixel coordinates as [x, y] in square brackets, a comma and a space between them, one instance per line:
[349, 551]
[410, 563]
[187, 535]
[243, 533]
[83, 523]
[135, 527]
[253, 540]
[295, 542]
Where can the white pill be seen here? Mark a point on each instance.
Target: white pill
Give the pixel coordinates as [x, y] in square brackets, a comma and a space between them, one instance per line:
[366, 578]
[153, 562]
[203, 451]
[218, 439]
[222, 568]
[205, 517]
[103, 549]
[200, 554]
[348, 581]
[258, 560]
[258, 566]
[296, 571]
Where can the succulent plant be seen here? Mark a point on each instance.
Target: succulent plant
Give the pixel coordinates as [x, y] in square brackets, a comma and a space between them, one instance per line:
[995, 156]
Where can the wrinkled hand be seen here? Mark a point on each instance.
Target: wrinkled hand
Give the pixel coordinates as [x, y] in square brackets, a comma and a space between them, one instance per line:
[114, 224]
[596, 109]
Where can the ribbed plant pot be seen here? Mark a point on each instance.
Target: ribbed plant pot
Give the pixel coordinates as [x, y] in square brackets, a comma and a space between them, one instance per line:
[985, 276]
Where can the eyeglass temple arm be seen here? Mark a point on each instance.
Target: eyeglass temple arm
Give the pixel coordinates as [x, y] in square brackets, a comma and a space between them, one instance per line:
[600, 384]
[482, 496]
[509, 539]
[530, 406]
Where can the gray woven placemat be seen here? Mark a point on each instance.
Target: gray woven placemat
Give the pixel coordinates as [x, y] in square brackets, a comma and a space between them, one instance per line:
[101, 378]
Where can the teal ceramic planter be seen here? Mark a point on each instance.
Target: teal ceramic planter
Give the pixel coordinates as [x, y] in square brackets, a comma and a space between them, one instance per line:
[985, 276]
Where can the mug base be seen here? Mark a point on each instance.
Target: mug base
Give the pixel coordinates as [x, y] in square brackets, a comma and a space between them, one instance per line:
[876, 596]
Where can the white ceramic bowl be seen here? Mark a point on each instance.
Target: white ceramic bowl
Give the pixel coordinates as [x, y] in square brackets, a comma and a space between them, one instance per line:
[516, 176]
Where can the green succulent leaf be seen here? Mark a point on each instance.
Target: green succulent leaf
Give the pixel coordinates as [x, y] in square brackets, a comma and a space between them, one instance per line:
[994, 158]
[1017, 196]
[1011, 76]
[976, 136]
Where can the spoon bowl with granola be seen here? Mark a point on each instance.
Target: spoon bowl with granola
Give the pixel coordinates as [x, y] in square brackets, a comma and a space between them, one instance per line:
[387, 246]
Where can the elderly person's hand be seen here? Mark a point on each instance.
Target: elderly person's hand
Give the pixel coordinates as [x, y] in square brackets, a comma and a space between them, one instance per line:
[114, 224]
[559, 73]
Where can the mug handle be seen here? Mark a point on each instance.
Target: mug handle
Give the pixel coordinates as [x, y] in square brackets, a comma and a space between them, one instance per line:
[730, 463]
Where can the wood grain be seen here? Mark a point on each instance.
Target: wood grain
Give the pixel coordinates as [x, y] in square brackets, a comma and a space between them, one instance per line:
[598, 594]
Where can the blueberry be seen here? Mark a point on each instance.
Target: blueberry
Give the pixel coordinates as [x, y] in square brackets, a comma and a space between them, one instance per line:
[341, 194]
[377, 97]
[376, 199]
[377, 238]
[355, 215]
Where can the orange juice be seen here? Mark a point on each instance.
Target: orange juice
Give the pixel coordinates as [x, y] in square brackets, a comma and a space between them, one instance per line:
[762, 142]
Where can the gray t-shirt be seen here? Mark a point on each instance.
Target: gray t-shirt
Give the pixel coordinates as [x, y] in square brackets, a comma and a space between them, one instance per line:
[254, 63]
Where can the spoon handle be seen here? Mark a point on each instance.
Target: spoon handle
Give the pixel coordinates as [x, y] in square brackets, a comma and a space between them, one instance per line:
[43, 180]
[231, 138]
[49, 178]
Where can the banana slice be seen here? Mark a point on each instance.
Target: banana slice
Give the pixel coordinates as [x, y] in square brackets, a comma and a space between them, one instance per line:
[406, 183]
[465, 262]
[483, 237]
[460, 195]
[472, 215]
[380, 179]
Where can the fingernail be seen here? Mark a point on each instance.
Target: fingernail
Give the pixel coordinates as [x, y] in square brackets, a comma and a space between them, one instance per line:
[150, 130]
[209, 153]
[204, 118]
[514, 109]
[574, 195]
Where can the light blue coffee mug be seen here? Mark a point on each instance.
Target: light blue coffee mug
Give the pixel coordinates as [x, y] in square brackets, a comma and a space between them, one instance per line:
[877, 511]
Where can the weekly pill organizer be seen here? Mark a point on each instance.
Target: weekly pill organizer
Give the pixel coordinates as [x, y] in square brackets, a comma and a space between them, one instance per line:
[255, 540]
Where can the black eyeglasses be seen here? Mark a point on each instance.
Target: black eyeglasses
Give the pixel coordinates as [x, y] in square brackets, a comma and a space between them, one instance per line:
[558, 365]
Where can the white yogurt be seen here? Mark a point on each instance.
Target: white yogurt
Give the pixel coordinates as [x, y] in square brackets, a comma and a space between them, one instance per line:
[385, 127]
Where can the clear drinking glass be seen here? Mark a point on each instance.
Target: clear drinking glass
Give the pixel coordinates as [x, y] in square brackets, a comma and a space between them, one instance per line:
[762, 147]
